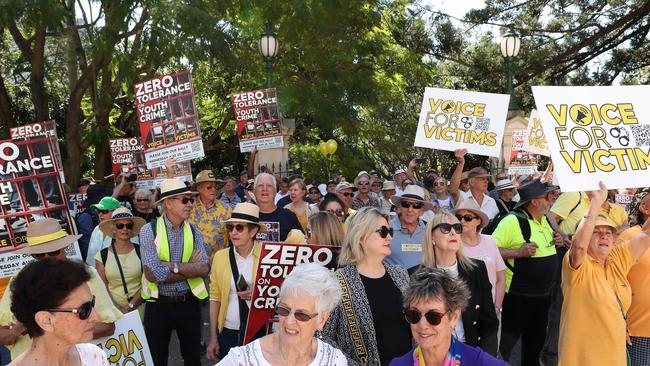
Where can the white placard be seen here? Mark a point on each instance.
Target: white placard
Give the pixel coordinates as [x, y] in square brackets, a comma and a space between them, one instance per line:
[597, 133]
[128, 345]
[457, 119]
[535, 140]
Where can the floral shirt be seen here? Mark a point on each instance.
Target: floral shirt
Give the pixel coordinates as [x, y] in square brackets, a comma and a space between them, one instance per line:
[212, 223]
[358, 203]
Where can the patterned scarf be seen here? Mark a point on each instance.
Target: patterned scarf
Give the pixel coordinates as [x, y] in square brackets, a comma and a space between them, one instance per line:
[635, 217]
[452, 358]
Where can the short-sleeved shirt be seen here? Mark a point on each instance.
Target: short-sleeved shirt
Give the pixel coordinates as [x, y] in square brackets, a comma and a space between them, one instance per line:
[487, 251]
[488, 205]
[638, 316]
[592, 328]
[535, 274]
[406, 248]
[211, 221]
[132, 270]
[358, 203]
[230, 202]
[278, 224]
[570, 207]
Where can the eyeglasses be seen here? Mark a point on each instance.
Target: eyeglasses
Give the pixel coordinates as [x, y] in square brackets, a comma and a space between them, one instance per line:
[413, 316]
[210, 187]
[121, 226]
[338, 212]
[83, 311]
[238, 227]
[348, 194]
[364, 183]
[142, 200]
[49, 254]
[104, 212]
[439, 184]
[415, 205]
[445, 228]
[185, 200]
[384, 231]
[299, 315]
[467, 218]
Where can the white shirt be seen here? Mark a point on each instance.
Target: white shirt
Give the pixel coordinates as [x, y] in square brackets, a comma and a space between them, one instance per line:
[279, 196]
[252, 355]
[489, 206]
[245, 268]
[459, 330]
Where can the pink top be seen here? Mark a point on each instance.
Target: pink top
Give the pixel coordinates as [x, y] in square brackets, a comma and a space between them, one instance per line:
[487, 251]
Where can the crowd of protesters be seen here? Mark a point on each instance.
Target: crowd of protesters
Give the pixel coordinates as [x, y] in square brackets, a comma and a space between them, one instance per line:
[453, 270]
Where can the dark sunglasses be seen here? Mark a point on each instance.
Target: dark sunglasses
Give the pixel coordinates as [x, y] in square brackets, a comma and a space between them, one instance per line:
[445, 228]
[413, 316]
[49, 254]
[238, 227]
[348, 194]
[338, 213]
[83, 311]
[363, 183]
[467, 218]
[185, 200]
[439, 184]
[121, 226]
[142, 200]
[415, 205]
[103, 211]
[384, 231]
[299, 315]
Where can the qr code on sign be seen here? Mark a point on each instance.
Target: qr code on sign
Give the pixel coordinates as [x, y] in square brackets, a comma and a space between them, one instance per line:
[195, 146]
[482, 124]
[641, 134]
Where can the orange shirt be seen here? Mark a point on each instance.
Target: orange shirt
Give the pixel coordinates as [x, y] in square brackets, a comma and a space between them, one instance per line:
[3, 285]
[638, 317]
[592, 328]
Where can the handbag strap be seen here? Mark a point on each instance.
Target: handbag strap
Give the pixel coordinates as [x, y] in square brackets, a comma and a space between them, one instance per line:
[119, 267]
[243, 306]
[351, 320]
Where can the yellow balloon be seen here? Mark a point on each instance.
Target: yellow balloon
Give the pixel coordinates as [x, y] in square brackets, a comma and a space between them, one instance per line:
[331, 146]
[322, 147]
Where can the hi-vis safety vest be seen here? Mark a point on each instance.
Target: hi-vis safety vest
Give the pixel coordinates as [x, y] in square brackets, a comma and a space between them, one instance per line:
[197, 284]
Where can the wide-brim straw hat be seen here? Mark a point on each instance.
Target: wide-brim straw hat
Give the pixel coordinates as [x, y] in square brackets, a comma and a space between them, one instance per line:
[45, 236]
[248, 213]
[412, 192]
[471, 206]
[171, 188]
[205, 176]
[122, 213]
[388, 185]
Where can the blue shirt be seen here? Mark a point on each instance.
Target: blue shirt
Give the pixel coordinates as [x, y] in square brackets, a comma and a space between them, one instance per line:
[406, 248]
[150, 258]
[230, 202]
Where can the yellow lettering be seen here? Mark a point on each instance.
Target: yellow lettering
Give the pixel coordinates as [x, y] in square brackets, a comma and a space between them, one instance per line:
[558, 116]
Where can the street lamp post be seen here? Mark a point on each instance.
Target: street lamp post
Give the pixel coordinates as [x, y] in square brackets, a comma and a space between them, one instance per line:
[509, 50]
[268, 46]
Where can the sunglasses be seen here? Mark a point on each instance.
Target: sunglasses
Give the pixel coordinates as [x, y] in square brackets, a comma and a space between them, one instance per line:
[364, 183]
[299, 315]
[83, 311]
[121, 226]
[185, 200]
[466, 218]
[49, 254]
[238, 227]
[446, 228]
[413, 316]
[338, 212]
[384, 231]
[415, 205]
[103, 211]
[439, 184]
[142, 200]
[348, 194]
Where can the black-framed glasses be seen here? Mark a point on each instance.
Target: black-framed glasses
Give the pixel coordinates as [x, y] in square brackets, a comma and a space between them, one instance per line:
[299, 315]
[384, 231]
[82, 311]
[185, 200]
[142, 200]
[363, 183]
[238, 227]
[413, 316]
[445, 228]
[103, 211]
[415, 205]
[348, 194]
[120, 225]
[466, 218]
[338, 212]
[48, 254]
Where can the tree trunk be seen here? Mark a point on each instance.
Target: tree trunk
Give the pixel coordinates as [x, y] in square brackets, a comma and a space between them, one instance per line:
[37, 78]
[6, 120]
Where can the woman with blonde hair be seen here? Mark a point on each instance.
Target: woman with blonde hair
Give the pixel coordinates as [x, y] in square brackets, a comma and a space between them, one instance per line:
[367, 324]
[325, 229]
[442, 249]
[298, 205]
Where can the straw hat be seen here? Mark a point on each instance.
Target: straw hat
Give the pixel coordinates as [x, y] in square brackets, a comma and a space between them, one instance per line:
[205, 176]
[412, 192]
[45, 236]
[345, 185]
[171, 188]
[122, 213]
[504, 184]
[388, 185]
[295, 236]
[472, 206]
[248, 213]
[477, 172]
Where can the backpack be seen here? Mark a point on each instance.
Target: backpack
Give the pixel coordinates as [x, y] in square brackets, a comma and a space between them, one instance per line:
[104, 253]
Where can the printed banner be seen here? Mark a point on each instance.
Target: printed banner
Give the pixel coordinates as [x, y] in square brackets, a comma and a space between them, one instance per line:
[272, 232]
[597, 133]
[12, 263]
[31, 186]
[520, 161]
[456, 119]
[128, 345]
[277, 260]
[258, 119]
[624, 200]
[535, 141]
[127, 154]
[169, 124]
[75, 203]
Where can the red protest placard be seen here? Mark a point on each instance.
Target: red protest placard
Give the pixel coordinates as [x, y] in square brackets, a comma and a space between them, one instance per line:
[277, 260]
[169, 124]
[258, 119]
[520, 161]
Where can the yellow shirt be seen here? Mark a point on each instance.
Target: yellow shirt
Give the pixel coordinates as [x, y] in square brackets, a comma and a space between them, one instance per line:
[616, 215]
[592, 328]
[107, 312]
[212, 223]
[638, 317]
[132, 269]
[563, 206]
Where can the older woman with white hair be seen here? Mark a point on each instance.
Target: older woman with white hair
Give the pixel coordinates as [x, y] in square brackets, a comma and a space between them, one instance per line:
[143, 205]
[367, 325]
[307, 296]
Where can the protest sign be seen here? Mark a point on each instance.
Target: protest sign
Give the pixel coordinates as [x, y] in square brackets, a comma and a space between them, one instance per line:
[277, 260]
[258, 119]
[169, 124]
[625, 200]
[597, 133]
[11, 263]
[520, 161]
[128, 345]
[456, 119]
[535, 141]
[75, 203]
[31, 185]
[128, 154]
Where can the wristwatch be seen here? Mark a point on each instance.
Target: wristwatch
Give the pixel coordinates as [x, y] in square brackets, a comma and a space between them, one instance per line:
[131, 306]
[175, 267]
